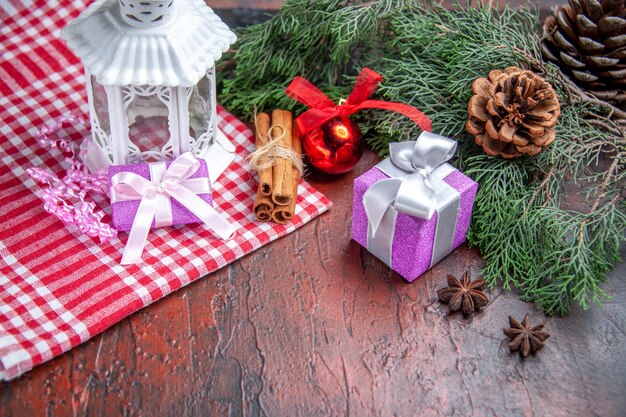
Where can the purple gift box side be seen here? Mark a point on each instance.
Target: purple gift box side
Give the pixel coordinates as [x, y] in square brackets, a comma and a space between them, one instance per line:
[414, 237]
[123, 212]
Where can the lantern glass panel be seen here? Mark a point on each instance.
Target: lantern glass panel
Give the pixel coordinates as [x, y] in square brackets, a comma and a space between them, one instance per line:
[201, 107]
[101, 106]
[148, 126]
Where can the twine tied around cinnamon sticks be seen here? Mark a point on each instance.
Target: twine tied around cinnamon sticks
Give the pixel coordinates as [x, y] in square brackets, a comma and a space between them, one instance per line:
[265, 156]
[278, 161]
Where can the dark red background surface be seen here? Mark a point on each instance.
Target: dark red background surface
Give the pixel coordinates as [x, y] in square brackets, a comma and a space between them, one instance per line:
[313, 325]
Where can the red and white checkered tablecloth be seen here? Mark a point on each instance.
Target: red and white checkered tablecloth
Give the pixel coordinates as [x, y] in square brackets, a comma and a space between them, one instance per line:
[58, 287]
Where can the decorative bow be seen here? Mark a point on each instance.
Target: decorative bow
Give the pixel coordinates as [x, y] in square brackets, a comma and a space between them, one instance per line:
[414, 193]
[155, 194]
[322, 108]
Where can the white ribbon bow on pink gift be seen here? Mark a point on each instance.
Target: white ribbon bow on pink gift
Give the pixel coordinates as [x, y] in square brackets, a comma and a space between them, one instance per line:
[155, 194]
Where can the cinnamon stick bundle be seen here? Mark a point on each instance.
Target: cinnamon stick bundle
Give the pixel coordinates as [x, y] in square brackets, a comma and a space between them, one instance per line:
[278, 185]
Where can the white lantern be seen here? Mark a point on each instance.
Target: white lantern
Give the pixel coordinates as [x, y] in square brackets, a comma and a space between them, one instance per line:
[150, 69]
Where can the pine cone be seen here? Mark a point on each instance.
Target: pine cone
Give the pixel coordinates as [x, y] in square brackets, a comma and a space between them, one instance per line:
[513, 112]
[587, 40]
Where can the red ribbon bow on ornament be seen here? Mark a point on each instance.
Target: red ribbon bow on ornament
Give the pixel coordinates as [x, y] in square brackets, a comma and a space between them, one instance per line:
[322, 108]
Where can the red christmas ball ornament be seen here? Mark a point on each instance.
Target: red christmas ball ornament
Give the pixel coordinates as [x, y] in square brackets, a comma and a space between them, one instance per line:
[335, 147]
[332, 142]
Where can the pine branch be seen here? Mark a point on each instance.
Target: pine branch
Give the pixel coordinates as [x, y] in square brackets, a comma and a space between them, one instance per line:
[531, 236]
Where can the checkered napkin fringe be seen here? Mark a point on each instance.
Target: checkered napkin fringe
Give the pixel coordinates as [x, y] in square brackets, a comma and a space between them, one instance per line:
[58, 288]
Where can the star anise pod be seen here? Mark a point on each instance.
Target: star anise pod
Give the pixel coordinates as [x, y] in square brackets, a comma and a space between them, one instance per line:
[524, 338]
[464, 294]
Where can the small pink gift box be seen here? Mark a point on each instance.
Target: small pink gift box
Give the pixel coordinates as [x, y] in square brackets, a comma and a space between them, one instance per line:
[162, 194]
[123, 212]
[420, 213]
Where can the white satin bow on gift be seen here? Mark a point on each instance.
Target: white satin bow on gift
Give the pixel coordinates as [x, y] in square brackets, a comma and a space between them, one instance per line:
[155, 194]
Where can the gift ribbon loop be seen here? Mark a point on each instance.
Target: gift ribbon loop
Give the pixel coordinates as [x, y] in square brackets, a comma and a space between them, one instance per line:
[415, 187]
[322, 108]
[155, 194]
